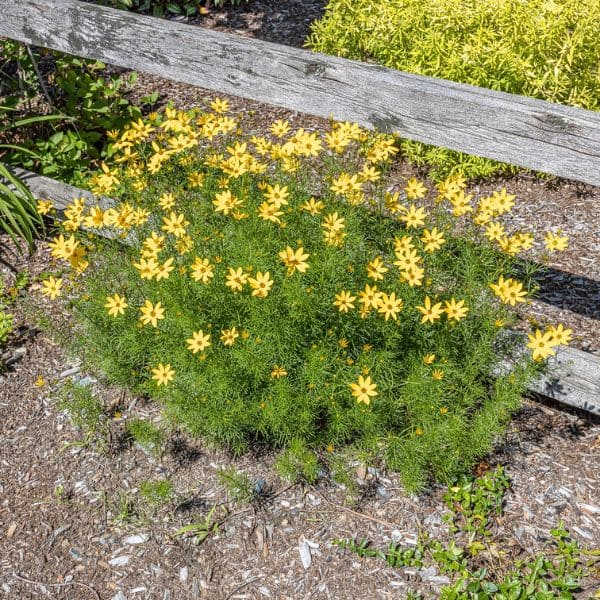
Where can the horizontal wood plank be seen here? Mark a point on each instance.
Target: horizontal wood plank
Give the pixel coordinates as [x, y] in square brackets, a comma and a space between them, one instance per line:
[572, 376]
[523, 131]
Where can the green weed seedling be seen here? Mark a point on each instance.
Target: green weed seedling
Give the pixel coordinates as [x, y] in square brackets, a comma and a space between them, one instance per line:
[298, 463]
[83, 408]
[147, 435]
[238, 485]
[6, 319]
[473, 502]
[202, 529]
[156, 493]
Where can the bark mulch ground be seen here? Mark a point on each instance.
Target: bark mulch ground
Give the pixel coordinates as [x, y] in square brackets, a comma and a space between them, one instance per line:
[73, 525]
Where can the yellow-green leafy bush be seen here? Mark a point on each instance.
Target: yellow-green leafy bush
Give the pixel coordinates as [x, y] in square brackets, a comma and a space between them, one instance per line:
[547, 49]
[276, 289]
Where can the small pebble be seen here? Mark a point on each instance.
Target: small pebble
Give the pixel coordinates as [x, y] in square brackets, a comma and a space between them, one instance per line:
[119, 561]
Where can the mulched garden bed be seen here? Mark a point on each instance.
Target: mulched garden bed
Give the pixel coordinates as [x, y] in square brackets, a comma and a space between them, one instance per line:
[61, 501]
[60, 536]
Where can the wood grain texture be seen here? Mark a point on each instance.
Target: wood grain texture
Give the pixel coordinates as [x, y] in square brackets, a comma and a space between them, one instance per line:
[526, 132]
[572, 377]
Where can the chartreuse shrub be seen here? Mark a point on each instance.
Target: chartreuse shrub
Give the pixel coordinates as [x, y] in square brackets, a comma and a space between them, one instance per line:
[276, 289]
[547, 49]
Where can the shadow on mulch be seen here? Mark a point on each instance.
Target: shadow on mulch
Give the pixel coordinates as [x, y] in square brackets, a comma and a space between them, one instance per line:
[286, 23]
[576, 293]
[535, 424]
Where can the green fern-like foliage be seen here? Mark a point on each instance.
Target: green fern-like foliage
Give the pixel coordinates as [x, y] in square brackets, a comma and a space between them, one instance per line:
[310, 362]
[548, 49]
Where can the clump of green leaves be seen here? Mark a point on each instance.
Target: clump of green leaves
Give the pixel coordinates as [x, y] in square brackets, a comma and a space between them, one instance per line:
[6, 318]
[557, 572]
[156, 493]
[394, 555]
[148, 435]
[547, 50]
[166, 8]
[202, 529]
[86, 103]
[297, 463]
[238, 485]
[83, 407]
[474, 502]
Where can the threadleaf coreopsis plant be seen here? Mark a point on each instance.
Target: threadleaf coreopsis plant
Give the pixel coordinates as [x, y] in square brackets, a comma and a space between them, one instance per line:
[283, 289]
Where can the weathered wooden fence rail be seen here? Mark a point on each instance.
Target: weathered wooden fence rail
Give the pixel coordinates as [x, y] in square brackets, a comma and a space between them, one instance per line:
[523, 131]
[572, 377]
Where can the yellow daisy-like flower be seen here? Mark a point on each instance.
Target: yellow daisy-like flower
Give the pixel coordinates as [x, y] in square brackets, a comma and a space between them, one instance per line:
[437, 374]
[509, 291]
[228, 336]
[219, 105]
[414, 217]
[390, 306]
[369, 297]
[455, 310]
[432, 239]
[195, 179]
[44, 206]
[166, 201]
[198, 342]
[364, 389]
[431, 313]
[278, 372]
[236, 279]
[151, 313]
[294, 260]
[333, 222]
[541, 344]
[313, 206]
[415, 189]
[115, 305]
[494, 231]
[95, 219]
[344, 301]
[413, 276]
[202, 270]
[560, 336]
[175, 224]
[163, 374]
[428, 359]
[147, 267]
[276, 195]
[225, 202]
[261, 284]
[376, 270]
[163, 271]
[280, 128]
[555, 242]
[62, 248]
[51, 287]
[269, 212]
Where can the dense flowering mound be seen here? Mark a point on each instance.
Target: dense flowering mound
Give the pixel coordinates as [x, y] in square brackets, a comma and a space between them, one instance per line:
[283, 290]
